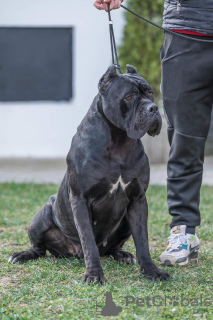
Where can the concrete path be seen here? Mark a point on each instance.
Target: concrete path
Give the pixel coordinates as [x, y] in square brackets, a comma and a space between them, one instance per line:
[32, 170]
[53, 170]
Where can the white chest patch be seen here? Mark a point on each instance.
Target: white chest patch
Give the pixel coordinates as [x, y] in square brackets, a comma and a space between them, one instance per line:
[122, 184]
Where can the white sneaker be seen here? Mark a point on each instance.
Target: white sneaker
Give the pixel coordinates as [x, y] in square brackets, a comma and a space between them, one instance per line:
[182, 248]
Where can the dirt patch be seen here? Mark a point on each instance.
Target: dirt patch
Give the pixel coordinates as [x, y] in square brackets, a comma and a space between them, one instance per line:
[206, 241]
[9, 281]
[13, 280]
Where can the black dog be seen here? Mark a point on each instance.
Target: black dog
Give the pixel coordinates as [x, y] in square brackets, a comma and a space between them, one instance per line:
[101, 201]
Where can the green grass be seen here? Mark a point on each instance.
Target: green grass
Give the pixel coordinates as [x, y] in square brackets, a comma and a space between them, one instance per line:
[51, 288]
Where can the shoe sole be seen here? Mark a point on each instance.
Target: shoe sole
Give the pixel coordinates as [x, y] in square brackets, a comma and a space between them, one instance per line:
[192, 257]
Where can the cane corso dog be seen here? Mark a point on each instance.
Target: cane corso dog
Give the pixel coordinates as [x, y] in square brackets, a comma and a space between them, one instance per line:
[102, 199]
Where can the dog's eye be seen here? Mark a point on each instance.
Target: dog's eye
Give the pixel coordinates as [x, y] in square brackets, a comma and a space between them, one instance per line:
[150, 93]
[129, 98]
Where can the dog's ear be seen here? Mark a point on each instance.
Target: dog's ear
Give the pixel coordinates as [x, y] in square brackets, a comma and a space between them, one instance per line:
[105, 80]
[131, 69]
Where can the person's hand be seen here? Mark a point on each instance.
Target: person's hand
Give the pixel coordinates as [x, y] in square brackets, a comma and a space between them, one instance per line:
[103, 4]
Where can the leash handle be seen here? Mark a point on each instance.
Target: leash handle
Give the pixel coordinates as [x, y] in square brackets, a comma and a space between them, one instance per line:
[112, 42]
[166, 30]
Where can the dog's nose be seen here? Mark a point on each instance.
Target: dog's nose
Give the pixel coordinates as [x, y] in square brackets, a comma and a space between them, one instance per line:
[152, 108]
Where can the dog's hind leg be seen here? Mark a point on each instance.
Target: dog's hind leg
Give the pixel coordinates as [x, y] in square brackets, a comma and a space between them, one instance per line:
[40, 224]
[116, 242]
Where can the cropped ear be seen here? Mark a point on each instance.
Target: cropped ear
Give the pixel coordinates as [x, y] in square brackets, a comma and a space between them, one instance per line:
[131, 69]
[105, 80]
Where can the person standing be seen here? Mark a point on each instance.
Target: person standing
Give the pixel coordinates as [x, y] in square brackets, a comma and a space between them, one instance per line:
[187, 92]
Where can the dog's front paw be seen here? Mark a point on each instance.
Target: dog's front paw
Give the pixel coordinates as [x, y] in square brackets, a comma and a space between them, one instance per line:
[124, 257]
[23, 256]
[95, 275]
[154, 273]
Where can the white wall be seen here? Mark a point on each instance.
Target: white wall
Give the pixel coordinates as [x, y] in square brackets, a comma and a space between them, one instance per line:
[45, 129]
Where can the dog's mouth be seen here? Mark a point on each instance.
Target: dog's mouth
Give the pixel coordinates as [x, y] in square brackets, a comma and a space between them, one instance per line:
[145, 123]
[155, 127]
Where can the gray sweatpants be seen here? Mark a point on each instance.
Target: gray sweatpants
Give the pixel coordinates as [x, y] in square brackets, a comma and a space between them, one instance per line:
[187, 90]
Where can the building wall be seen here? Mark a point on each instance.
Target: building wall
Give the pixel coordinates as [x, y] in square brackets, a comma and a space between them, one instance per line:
[45, 129]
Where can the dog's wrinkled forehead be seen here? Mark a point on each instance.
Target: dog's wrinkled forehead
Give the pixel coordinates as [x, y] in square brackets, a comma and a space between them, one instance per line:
[136, 79]
[133, 76]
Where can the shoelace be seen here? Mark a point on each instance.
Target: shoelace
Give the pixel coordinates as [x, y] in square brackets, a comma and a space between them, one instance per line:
[176, 240]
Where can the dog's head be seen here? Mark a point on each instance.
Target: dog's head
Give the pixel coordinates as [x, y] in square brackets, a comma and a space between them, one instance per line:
[128, 103]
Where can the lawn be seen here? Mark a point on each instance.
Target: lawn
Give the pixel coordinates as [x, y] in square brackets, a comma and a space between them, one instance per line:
[51, 288]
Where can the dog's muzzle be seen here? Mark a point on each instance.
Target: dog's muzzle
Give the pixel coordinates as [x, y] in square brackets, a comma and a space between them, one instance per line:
[149, 119]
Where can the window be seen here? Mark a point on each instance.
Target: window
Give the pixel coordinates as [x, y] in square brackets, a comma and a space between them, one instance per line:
[35, 64]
